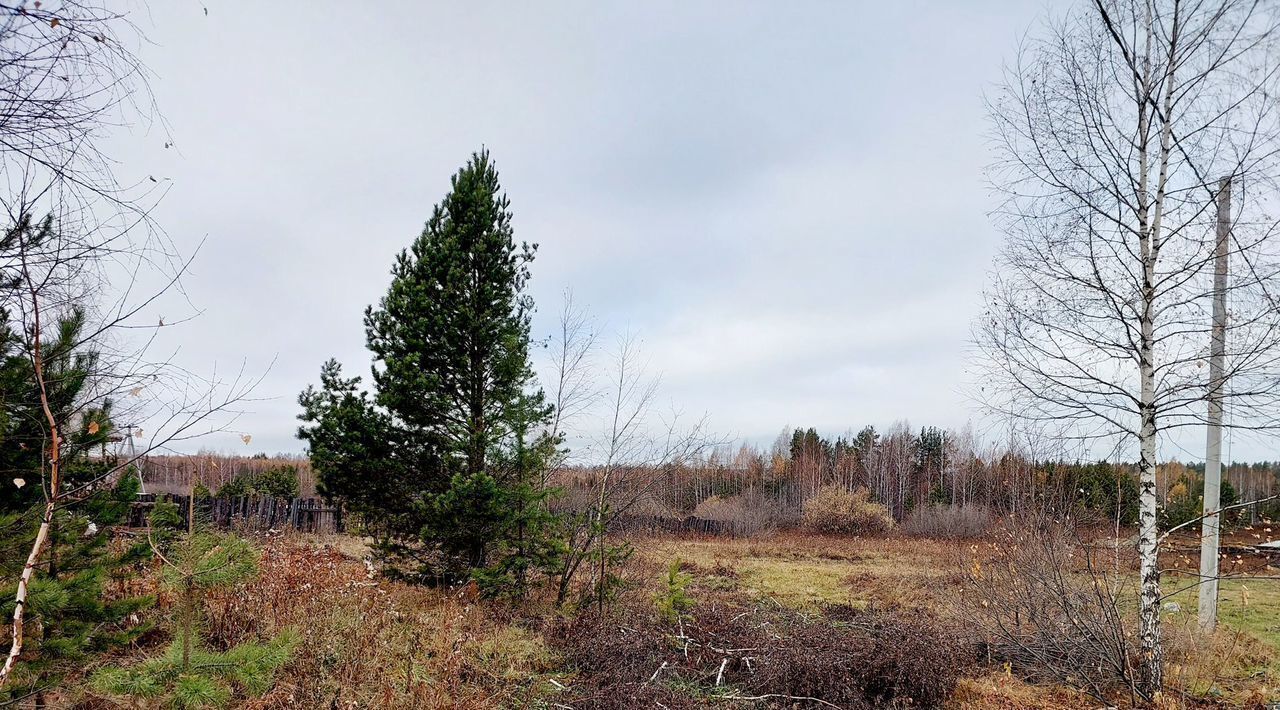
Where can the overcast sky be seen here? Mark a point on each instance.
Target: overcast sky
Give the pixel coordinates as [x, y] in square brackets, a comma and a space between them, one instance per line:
[783, 200]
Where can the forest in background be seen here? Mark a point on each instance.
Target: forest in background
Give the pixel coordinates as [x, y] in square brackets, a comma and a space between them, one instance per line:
[762, 488]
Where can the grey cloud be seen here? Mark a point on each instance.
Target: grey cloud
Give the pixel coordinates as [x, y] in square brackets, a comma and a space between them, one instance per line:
[783, 199]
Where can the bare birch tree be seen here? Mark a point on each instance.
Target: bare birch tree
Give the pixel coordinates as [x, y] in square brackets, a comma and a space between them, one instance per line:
[1112, 131]
[572, 360]
[68, 76]
[49, 278]
[80, 243]
[632, 451]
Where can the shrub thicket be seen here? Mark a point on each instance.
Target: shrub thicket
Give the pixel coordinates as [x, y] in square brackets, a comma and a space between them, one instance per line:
[750, 512]
[839, 510]
[948, 522]
[275, 482]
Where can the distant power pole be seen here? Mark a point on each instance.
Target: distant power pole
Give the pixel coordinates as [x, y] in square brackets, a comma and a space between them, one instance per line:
[1210, 525]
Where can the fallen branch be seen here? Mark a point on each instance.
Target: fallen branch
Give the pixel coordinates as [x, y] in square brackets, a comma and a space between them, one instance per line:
[655, 673]
[772, 696]
[730, 651]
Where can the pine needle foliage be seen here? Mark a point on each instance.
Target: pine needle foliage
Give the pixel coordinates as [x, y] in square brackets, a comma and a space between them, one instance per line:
[443, 459]
[188, 676]
[77, 606]
[674, 601]
[209, 679]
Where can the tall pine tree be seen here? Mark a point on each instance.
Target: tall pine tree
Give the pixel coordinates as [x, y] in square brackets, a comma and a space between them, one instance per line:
[456, 420]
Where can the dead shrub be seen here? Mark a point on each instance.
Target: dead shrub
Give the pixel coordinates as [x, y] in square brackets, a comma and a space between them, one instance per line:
[838, 510]
[751, 512]
[728, 649]
[579, 498]
[647, 505]
[1039, 600]
[719, 508]
[948, 522]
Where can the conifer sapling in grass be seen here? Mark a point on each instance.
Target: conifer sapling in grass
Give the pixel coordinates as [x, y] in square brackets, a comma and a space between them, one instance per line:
[74, 607]
[75, 611]
[188, 675]
[674, 601]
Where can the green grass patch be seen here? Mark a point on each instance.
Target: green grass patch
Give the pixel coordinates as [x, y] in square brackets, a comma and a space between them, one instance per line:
[1251, 606]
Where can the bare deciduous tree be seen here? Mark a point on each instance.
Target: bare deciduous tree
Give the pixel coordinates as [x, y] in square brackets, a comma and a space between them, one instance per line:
[79, 243]
[1112, 132]
[49, 277]
[630, 454]
[68, 75]
[572, 350]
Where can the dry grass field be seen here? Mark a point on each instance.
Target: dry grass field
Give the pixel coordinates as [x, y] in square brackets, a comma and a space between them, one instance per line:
[1240, 669]
[372, 643]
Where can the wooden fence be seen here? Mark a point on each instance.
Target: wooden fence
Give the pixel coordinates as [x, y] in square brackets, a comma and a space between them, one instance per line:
[248, 512]
[653, 524]
[316, 516]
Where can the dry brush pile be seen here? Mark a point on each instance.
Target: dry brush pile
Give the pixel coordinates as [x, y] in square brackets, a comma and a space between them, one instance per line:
[725, 647]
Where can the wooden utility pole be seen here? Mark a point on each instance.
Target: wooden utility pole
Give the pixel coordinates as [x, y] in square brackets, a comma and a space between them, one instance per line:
[1210, 524]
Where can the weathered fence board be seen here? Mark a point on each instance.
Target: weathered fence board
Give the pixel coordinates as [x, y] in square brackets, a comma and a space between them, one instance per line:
[653, 524]
[248, 512]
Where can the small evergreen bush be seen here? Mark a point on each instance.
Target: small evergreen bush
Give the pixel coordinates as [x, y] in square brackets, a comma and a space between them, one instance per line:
[186, 675]
[674, 601]
[77, 607]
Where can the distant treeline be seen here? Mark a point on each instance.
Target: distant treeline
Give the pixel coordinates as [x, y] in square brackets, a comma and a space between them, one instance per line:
[906, 470]
[175, 474]
[902, 468]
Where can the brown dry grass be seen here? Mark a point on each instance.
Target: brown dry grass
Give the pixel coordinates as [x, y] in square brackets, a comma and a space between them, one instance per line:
[369, 643]
[1237, 668]
[1000, 690]
[1231, 667]
[807, 571]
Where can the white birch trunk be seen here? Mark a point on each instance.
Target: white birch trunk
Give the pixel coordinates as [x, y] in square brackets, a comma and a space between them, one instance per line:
[20, 598]
[1148, 558]
[53, 495]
